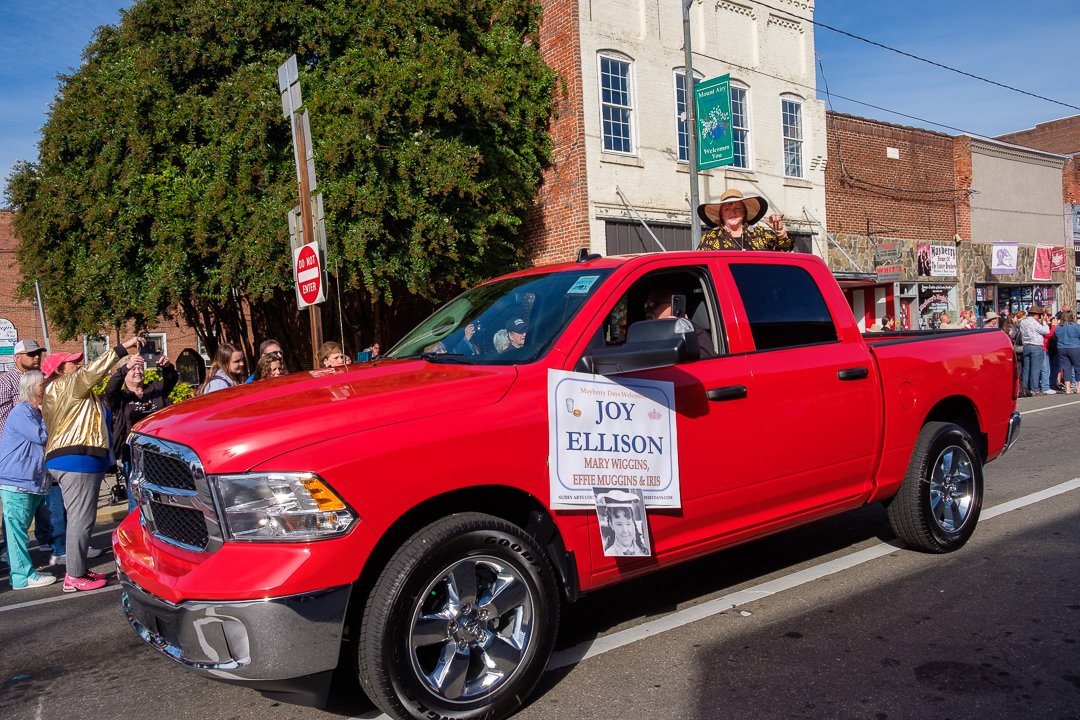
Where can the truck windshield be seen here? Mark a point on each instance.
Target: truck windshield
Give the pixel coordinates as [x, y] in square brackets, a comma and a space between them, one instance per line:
[506, 322]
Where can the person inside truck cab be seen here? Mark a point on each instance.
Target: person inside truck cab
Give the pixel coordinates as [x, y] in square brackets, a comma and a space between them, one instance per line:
[515, 335]
[732, 219]
[658, 307]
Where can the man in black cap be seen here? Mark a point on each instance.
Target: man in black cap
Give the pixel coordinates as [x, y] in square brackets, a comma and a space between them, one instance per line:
[515, 333]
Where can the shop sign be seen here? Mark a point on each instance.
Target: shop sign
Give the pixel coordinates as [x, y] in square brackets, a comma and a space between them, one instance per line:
[1057, 259]
[942, 261]
[1043, 263]
[887, 263]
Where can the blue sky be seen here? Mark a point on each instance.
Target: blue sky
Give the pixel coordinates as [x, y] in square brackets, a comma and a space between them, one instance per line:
[1029, 45]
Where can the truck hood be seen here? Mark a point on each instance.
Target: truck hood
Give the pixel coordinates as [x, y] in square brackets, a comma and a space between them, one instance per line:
[239, 428]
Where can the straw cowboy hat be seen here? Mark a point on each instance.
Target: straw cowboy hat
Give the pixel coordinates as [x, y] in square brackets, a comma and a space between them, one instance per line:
[755, 208]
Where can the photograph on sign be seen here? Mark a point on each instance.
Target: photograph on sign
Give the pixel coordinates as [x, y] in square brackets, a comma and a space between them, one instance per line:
[611, 433]
[624, 525]
[712, 104]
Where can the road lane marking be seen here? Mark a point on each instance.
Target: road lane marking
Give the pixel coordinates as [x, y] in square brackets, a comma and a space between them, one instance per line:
[592, 648]
[1052, 407]
[66, 596]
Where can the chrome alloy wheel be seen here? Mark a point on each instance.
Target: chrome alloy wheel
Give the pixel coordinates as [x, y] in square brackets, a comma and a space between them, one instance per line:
[471, 628]
[952, 488]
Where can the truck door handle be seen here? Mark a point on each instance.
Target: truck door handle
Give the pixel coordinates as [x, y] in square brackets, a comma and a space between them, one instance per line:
[855, 373]
[731, 392]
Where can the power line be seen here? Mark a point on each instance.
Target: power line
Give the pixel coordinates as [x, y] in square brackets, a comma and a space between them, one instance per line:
[920, 59]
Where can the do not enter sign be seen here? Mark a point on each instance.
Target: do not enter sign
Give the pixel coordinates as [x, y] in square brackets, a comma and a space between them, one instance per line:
[308, 273]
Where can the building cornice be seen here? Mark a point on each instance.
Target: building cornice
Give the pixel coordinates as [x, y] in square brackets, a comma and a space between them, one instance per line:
[1009, 151]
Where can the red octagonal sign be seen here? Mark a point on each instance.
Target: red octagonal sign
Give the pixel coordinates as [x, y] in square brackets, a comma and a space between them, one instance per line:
[308, 275]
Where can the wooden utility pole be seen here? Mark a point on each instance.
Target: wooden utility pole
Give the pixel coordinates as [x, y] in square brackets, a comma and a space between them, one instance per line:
[291, 104]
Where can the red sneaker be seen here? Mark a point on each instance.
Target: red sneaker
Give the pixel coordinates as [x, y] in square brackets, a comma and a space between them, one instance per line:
[78, 584]
[97, 576]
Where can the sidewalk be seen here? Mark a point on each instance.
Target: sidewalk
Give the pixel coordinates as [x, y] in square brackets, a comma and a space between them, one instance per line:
[107, 511]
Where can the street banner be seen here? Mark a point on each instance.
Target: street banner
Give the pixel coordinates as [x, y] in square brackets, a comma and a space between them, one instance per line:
[614, 433]
[1004, 261]
[1057, 260]
[942, 261]
[712, 103]
[1043, 263]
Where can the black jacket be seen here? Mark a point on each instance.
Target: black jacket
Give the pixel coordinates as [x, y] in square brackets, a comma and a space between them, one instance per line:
[128, 409]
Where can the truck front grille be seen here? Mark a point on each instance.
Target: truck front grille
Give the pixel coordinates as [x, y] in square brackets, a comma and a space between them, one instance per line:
[167, 472]
[174, 495]
[183, 525]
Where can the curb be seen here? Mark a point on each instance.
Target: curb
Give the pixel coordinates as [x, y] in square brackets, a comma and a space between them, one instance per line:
[112, 513]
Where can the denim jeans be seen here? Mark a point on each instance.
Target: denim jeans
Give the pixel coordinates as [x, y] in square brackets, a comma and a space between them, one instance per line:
[54, 501]
[1044, 374]
[1033, 360]
[19, 510]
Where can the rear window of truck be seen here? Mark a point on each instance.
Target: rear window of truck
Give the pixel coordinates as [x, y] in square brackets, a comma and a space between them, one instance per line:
[784, 306]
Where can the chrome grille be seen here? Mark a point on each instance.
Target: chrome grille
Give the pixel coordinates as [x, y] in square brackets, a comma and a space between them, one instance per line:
[174, 495]
[167, 472]
[184, 525]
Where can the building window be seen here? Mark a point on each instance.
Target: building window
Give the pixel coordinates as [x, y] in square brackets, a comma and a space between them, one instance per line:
[791, 111]
[616, 105]
[681, 114]
[740, 128]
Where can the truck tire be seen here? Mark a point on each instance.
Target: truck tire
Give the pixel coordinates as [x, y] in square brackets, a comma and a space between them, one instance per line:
[461, 622]
[939, 502]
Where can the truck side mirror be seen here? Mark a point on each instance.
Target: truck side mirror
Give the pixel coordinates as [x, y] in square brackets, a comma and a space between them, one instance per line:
[649, 344]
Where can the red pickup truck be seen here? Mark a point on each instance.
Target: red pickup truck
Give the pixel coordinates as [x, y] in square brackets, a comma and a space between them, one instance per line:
[397, 516]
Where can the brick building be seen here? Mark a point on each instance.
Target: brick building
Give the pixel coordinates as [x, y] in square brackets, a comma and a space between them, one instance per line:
[916, 218]
[20, 318]
[620, 143]
[1060, 136]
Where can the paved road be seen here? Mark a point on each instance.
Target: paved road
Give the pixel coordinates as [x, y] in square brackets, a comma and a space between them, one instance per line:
[828, 620]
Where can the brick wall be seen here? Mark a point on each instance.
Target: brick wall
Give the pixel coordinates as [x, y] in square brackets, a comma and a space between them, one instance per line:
[913, 195]
[23, 314]
[1070, 180]
[560, 223]
[1058, 136]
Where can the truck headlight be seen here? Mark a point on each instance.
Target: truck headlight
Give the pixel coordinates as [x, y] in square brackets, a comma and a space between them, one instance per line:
[283, 507]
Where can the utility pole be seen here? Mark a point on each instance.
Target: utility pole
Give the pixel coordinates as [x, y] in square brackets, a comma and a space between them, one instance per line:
[691, 126]
[291, 102]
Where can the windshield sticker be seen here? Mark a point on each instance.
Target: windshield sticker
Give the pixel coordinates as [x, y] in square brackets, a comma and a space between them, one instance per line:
[613, 434]
[583, 285]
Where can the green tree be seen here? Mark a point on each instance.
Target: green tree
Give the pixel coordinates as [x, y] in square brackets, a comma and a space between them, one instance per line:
[166, 168]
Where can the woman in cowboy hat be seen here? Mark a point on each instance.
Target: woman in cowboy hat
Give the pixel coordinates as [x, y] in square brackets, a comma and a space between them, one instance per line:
[732, 221]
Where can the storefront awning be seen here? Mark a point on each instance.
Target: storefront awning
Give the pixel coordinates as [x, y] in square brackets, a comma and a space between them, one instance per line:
[849, 280]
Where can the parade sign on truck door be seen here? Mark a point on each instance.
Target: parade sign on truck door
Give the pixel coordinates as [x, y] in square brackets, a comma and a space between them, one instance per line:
[611, 433]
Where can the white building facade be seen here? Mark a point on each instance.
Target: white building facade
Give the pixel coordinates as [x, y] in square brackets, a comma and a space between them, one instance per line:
[632, 65]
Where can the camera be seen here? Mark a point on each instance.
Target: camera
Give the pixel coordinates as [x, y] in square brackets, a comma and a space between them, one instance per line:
[149, 347]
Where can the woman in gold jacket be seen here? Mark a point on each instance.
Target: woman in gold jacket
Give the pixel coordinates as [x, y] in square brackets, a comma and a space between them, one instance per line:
[77, 452]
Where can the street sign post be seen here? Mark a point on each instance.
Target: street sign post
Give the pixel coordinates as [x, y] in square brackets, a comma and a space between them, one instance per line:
[304, 156]
[308, 275]
[712, 99]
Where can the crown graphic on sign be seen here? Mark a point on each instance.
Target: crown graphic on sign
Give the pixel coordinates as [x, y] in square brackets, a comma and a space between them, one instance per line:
[654, 415]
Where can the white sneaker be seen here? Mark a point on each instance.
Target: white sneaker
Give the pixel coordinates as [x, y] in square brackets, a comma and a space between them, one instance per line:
[58, 559]
[36, 581]
[92, 552]
[1050, 392]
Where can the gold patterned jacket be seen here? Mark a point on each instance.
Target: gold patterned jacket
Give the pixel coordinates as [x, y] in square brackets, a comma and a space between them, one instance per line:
[757, 237]
[74, 416]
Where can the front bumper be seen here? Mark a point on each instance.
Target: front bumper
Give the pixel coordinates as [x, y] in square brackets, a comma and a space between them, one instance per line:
[251, 642]
[1014, 432]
